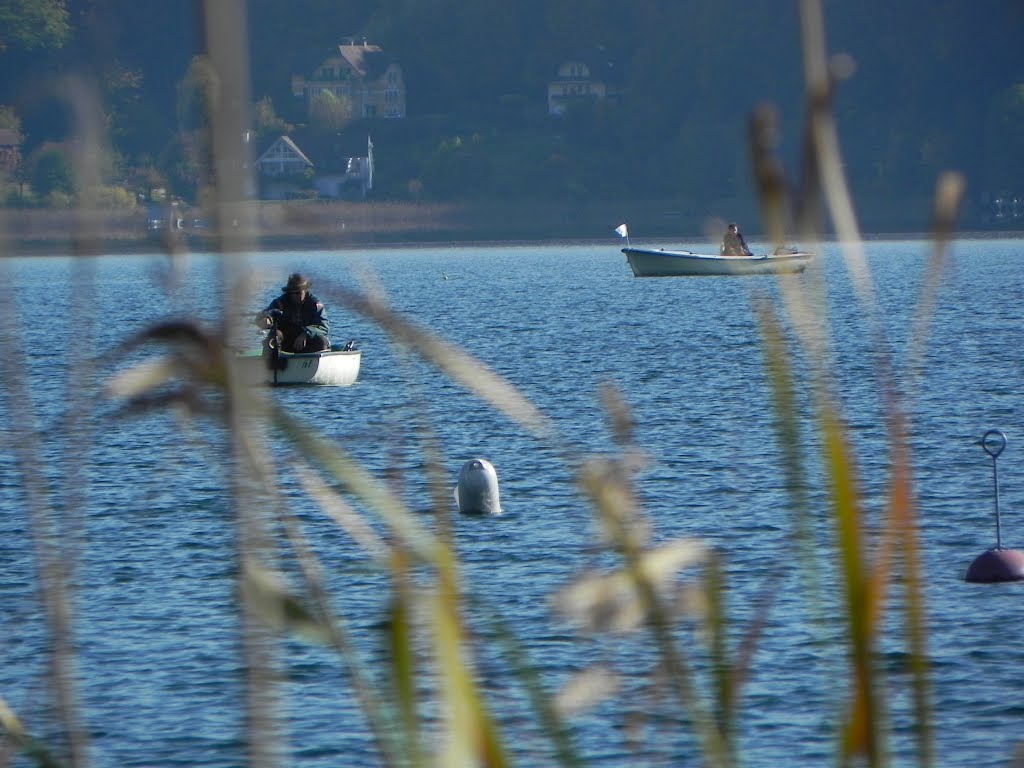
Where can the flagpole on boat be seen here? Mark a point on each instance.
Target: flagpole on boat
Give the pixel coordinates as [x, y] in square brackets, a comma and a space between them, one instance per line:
[623, 231]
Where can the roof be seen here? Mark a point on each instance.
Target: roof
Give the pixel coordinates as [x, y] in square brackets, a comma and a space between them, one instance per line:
[9, 137]
[290, 145]
[327, 152]
[368, 60]
[601, 63]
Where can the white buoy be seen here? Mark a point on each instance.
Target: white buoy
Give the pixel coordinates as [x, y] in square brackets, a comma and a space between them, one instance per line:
[477, 490]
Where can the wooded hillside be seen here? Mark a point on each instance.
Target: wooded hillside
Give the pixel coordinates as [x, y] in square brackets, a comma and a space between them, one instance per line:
[936, 86]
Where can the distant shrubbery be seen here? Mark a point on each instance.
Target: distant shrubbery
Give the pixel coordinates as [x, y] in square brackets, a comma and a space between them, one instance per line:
[105, 197]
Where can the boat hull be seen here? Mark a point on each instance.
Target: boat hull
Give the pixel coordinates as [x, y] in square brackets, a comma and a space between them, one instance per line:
[658, 262]
[333, 369]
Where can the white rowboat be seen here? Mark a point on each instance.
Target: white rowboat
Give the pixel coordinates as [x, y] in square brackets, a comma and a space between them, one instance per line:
[658, 262]
[337, 368]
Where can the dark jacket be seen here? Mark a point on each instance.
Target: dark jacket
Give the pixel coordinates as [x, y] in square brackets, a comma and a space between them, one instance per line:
[309, 317]
[733, 244]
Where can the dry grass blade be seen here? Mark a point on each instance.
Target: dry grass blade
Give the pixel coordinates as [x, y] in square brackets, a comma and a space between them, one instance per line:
[471, 733]
[405, 670]
[634, 595]
[769, 177]
[948, 198]
[345, 516]
[824, 157]
[610, 602]
[143, 378]
[640, 595]
[31, 747]
[225, 28]
[53, 555]
[866, 586]
[457, 364]
[471, 737]
[714, 748]
[607, 483]
[901, 535]
[320, 624]
[619, 416]
[786, 411]
[906, 536]
[586, 689]
[787, 421]
[361, 484]
[196, 359]
[274, 603]
[56, 525]
[730, 671]
[550, 715]
[724, 685]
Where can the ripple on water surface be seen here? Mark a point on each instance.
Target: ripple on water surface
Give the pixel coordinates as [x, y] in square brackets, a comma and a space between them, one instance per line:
[155, 616]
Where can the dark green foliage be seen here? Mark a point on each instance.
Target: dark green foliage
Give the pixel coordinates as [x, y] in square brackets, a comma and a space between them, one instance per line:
[50, 171]
[265, 120]
[33, 24]
[932, 88]
[1006, 122]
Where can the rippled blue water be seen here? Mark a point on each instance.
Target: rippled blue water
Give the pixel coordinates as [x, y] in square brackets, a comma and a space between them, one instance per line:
[159, 668]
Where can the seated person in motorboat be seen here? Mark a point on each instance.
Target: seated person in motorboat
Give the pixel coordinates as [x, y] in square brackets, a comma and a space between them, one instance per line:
[733, 243]
[296, 319]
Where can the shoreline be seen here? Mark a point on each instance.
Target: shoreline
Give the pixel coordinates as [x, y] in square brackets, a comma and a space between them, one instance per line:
[124, 246]
[302, 226]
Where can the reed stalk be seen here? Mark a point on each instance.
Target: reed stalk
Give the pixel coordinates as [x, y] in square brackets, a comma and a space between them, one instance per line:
[654, 592]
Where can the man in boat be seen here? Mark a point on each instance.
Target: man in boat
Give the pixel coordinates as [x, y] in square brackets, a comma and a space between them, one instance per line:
[733, 243]
[298, 317]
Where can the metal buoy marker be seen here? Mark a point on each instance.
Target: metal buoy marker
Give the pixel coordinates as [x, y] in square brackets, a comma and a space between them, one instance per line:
[996, 564]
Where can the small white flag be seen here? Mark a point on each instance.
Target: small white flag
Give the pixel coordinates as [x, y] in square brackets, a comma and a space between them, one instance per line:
[621, 229]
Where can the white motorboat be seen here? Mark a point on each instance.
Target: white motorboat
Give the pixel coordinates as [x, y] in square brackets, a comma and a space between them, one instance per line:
[661, 262]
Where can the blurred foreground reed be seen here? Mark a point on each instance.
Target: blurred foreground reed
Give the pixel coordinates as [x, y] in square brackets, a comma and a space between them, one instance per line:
[655, 586]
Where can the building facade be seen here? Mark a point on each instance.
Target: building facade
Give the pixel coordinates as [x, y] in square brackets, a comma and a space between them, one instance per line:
[361, 73]
[574, 82]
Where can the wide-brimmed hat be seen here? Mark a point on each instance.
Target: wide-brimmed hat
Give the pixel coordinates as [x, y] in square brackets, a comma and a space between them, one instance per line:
[296, 283]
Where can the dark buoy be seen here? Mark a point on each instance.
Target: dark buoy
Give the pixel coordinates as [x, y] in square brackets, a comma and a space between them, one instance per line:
[996, 564]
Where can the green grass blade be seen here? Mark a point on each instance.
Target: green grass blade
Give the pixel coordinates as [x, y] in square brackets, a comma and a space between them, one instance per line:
[404, 669]
[860, 737]
[31, 747]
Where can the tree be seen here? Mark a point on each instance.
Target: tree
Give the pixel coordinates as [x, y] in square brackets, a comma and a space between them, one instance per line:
[30, 24]
[134, 123]
[50, 170]
[184, 163]
[9, 119]
[265, 120]
[1005, 144]
[197, 94]
[329, 113]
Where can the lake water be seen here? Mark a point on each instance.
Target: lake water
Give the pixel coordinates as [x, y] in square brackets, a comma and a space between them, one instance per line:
[155, 631]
